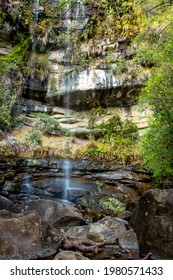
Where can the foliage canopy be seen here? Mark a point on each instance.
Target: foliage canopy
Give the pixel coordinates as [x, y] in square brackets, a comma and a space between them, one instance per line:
[156, 39]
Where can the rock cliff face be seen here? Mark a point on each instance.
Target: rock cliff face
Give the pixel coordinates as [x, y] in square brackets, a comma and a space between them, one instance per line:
[63, 68]
[99, 83]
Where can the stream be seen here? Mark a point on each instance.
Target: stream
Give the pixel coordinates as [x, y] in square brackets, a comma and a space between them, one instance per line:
[98, 191]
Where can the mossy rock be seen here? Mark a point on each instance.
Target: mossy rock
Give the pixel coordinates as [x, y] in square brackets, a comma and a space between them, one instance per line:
[102, 203]
[10, 187]
[2, 180]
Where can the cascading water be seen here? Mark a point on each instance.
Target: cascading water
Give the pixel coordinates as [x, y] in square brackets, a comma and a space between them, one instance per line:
[67, 167]
[80, 11]
[67, 50]
[27, 185]
[34, 44]
[72, 14]
[34, 38]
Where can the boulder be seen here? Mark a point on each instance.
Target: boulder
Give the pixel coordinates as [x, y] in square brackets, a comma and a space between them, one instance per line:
[8, 205]
[69, 255]
[153, 222]
[102, 203]
[107, 229]
[55, 213]
[96, 237]
[25, 236]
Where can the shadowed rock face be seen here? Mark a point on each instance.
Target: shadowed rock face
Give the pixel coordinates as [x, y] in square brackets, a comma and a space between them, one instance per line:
[54, 213]
[153, 222]
[8, 205]
[25, 236]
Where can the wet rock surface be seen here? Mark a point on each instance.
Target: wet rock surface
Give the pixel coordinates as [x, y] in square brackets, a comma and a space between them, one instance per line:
[152, 220]
[97, 190]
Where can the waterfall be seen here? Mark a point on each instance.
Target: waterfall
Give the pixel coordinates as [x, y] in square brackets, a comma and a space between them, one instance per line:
[26, 185]
[80, 11]
[68, 25]
[34, 45]
[73, 14]
[67, 174]
[36, 14]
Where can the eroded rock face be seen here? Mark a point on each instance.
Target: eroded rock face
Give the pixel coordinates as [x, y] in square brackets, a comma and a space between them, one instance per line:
[80, 78]
[90, 88]
[25, 236]
[153, 222]
[54, 213]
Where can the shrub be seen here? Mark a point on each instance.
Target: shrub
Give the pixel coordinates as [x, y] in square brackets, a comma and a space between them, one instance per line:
[35, 137]
[95, 115]
[115, 129]
[7, 100]
[49, 125]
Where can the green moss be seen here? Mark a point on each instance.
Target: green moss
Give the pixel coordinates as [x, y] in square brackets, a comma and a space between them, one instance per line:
[102, 203]
[10, 67]
[2, 180]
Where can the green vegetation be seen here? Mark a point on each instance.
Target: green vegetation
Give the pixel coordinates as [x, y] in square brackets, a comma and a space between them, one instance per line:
[10, 79]
[149, 22]
[156, 41]
[117, 141]
[115, 129]
[7, 101]
[95, 115]
[37, 66]
[17, 57]
[35, 136]
[114, 19]
[47, 126]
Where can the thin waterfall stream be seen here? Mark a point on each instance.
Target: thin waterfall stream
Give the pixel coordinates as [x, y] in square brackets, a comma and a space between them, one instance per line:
[34, 38]
[70, 16]
[67, 167]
